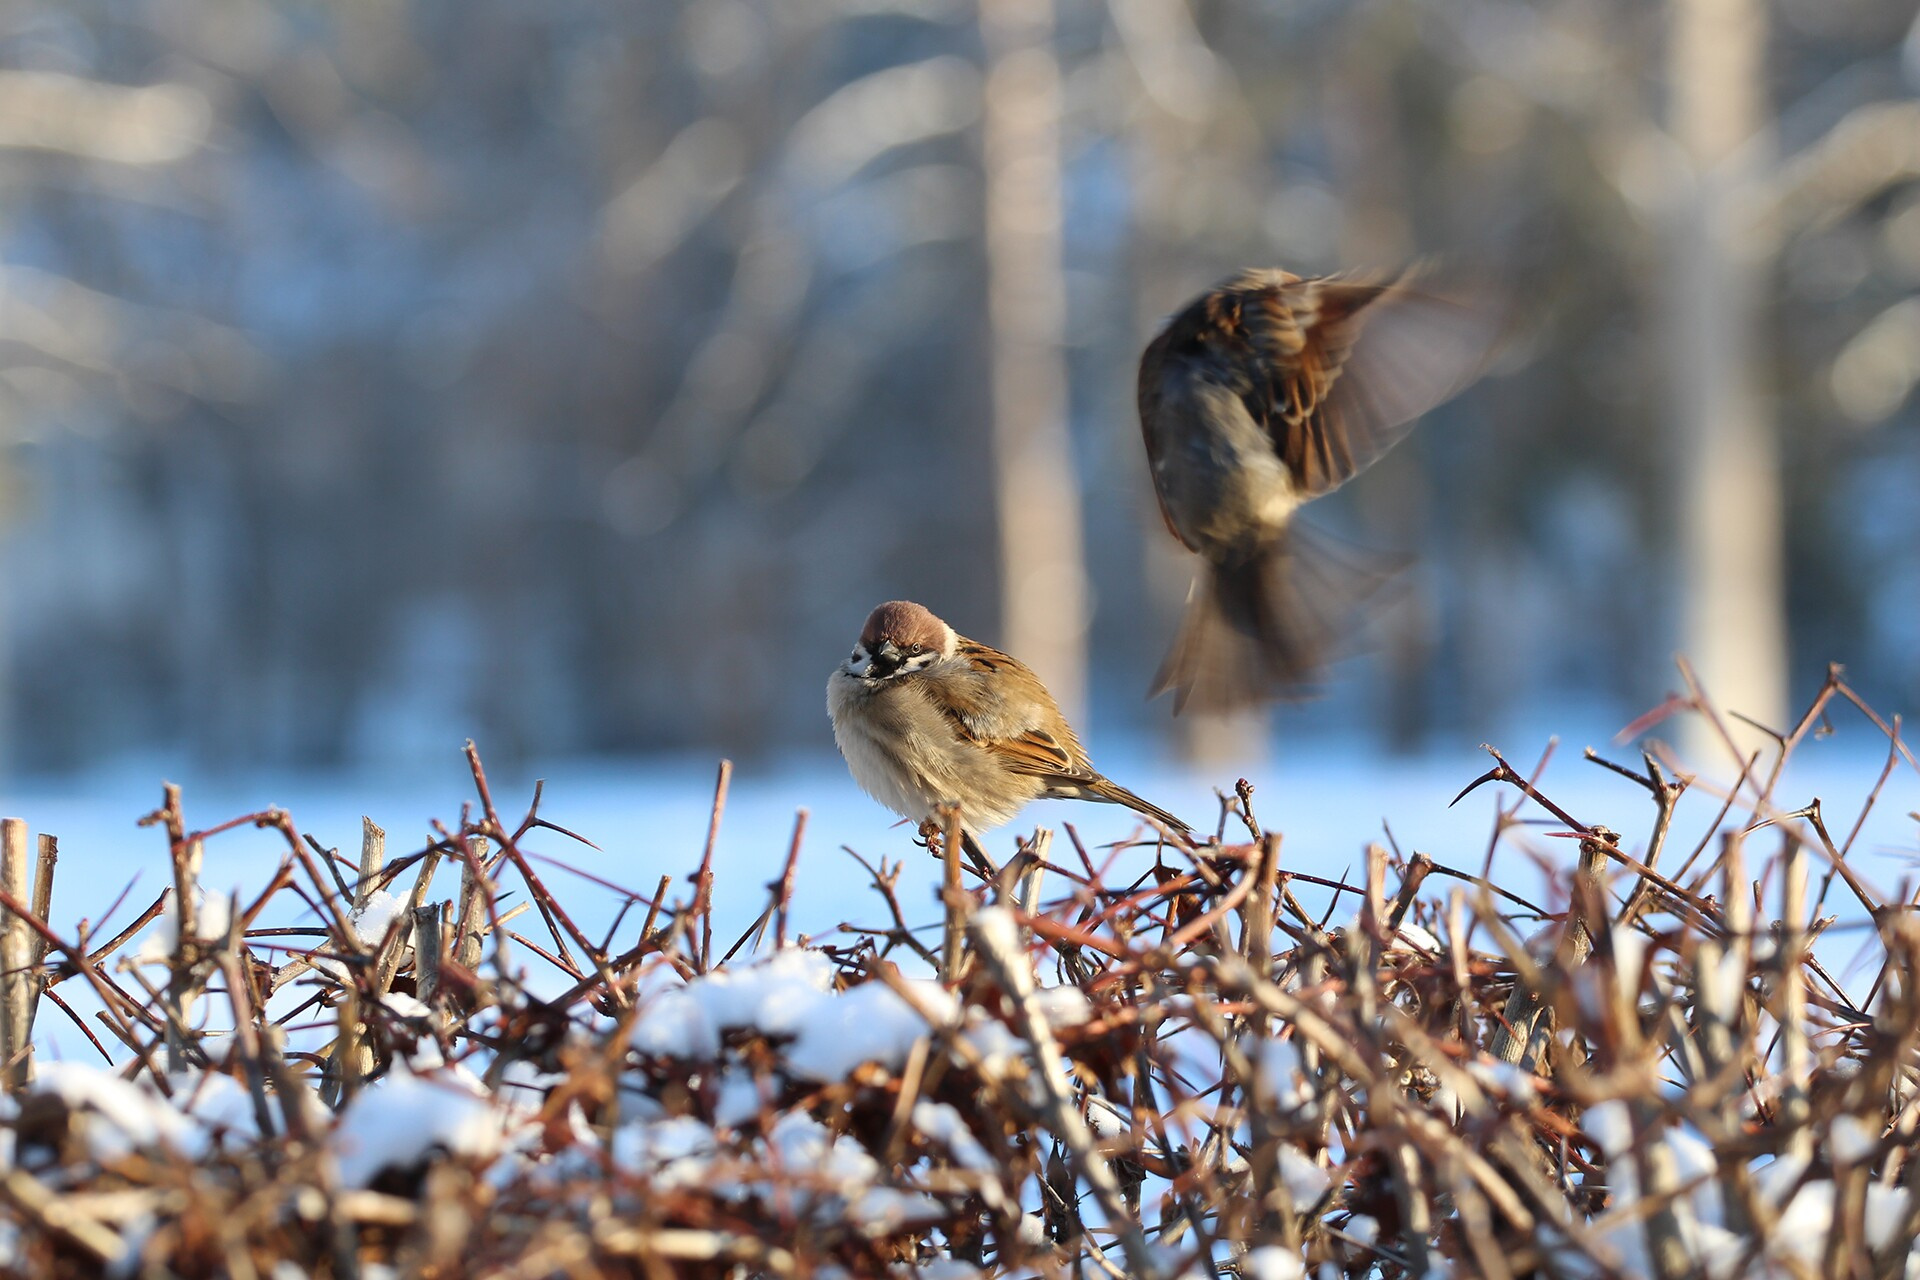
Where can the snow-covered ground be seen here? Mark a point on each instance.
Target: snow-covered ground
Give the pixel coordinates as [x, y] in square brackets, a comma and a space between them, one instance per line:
[649, 818]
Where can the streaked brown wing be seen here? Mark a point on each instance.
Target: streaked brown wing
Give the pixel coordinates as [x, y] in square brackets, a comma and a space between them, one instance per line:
[1036, 752]
[1300, 336]
[1350, 364]
[1031, 749]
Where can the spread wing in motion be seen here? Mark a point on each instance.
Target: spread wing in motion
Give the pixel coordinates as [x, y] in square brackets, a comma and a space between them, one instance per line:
[1335, 369]
[1266, 392]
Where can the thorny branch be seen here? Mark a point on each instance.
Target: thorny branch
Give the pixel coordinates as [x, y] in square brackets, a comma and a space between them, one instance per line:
[1238, 1055]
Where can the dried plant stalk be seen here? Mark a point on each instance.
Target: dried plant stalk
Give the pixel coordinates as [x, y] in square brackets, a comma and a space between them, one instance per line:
[16, 959]
[1225, 1078]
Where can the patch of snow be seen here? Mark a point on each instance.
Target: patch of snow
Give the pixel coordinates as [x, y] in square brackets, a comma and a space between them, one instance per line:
[1801, 1230]
[1504, 1079]
[1850, 1141]
[1775, 1178]
[675, 1152]
[803, 1144]
[398, 1121]
[1000, 1050]
[1064, 1006]
[1886, 1213]
[118, 1116]
[946, 1126]
[1278, 1063]
[375, 917]
[522, 1086]
[402, 1005]
[219, 1102]
[675, 1025]
[779, 996]
[1306, 1181]
[1695, 1164]
[426, 1056]
[998, 930]
[1611, 1127]
[868, 1024]
[1629, 955]
[1415, 937]
[635, 1105]
[1106, 1119]
[884, 1210]
[1717, 1250]
[212, 917]
[1271, 1263]
[776, 997]
[738, 1098]
[1720, 984]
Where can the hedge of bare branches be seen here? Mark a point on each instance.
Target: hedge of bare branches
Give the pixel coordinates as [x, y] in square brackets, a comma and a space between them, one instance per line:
[1695, 1056]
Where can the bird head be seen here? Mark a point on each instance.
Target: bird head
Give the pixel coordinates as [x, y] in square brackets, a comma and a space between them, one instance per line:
[900, 638]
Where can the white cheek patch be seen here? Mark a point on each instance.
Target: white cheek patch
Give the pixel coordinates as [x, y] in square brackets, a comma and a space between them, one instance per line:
[857, 664]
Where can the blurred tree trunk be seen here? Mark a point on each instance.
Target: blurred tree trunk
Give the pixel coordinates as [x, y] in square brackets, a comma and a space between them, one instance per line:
[1043, 590]
[1726, 484]
[1190, 151]
[1376, 185]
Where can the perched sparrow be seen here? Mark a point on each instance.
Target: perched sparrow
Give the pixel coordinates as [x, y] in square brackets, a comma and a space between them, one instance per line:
[928, 718]
[1263, 394]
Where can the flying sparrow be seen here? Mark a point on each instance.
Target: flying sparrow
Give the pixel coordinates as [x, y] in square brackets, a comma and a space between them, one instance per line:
[1260, 395]
[927, 718]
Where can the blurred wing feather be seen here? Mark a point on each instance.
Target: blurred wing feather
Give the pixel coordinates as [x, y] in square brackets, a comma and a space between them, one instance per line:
[1148, 396]
[1373, 359]
[1341, 367]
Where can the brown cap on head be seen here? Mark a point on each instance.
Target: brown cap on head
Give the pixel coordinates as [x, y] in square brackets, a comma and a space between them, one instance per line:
[908, 625]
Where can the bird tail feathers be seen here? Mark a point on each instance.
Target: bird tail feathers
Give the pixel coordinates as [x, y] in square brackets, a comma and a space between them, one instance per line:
[1263, 629]
[1114, 793]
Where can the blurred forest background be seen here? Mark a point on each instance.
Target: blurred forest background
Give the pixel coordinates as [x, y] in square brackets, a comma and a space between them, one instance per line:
[576, 375]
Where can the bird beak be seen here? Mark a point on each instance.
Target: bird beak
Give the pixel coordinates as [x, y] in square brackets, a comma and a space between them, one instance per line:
[886, 660]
